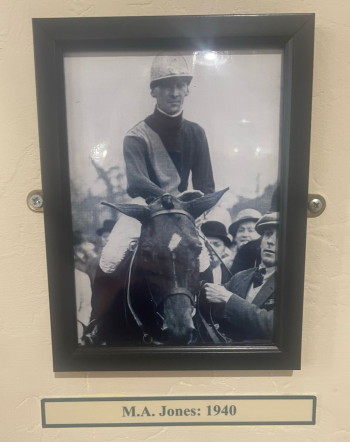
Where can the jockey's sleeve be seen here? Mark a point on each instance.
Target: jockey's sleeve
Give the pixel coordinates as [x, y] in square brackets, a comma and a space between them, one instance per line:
[137, 170]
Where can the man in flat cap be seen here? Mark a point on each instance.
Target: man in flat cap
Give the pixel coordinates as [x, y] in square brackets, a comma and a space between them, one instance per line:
[245, 305]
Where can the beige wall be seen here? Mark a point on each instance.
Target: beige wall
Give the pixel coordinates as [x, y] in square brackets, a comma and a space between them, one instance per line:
[25, 368]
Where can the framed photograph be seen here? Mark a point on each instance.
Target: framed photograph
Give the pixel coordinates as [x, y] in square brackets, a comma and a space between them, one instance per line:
[175, 156]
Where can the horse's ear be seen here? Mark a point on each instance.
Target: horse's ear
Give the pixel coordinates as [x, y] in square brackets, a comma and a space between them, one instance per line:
[198, 206]
[136, 211]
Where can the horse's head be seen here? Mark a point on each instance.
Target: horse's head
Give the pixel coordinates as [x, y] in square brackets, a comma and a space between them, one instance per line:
[168, 256]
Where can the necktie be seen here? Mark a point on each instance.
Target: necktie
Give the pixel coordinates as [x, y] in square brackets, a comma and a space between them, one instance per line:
[258, 277]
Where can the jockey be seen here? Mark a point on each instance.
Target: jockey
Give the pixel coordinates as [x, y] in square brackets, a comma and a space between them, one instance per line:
[161, 152]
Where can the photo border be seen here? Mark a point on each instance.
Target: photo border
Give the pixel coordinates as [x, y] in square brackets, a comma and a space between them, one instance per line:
[294, 34]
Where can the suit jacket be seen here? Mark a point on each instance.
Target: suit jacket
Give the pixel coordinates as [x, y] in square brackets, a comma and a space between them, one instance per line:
[242, 320]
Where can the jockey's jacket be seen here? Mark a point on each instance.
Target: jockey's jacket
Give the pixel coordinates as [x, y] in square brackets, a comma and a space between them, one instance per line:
[161, 152]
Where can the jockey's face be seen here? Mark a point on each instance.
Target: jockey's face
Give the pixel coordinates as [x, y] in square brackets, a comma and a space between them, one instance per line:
[170, 94]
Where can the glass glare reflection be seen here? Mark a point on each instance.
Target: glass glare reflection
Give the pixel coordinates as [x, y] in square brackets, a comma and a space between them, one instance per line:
[98, 152]
[210, 58]
[210, 55]
[244, 121]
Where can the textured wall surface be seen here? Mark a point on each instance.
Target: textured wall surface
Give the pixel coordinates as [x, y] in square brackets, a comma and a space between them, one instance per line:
[26, 367]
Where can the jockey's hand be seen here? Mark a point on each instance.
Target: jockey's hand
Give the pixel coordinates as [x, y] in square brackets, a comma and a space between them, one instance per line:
[189, 195]
[216, 293]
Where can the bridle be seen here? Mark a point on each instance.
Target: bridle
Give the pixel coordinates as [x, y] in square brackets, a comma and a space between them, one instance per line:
[148, 339]
[175, 211]
[176, 291]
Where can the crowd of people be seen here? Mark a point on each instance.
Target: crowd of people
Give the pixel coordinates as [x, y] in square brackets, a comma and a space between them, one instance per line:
[242, 289]
[167, 154]
[239, 281]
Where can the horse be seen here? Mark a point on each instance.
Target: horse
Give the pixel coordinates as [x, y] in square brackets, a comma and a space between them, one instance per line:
[152, 297]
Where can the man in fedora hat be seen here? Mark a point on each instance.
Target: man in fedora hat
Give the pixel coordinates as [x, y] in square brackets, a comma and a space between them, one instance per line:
[217, 242]
[161, 152]
[247, 301]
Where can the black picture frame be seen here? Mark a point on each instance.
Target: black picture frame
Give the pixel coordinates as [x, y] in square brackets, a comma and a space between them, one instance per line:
[294, 34]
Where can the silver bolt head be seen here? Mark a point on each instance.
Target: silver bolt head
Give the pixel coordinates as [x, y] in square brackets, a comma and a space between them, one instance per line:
[35, 201]
[316, 205]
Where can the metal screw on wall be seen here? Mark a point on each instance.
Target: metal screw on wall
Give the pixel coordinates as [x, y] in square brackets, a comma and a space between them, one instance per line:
[316, 205]
[35, 201]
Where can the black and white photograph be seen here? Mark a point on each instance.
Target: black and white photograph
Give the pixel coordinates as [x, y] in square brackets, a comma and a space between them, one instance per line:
[174, 160]
[174, 182]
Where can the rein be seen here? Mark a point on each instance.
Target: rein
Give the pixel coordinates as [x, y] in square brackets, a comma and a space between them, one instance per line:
[210, 328]
[207, 243]
[147, 339]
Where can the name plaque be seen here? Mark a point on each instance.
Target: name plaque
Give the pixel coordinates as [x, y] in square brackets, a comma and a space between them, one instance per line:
[179, 410]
